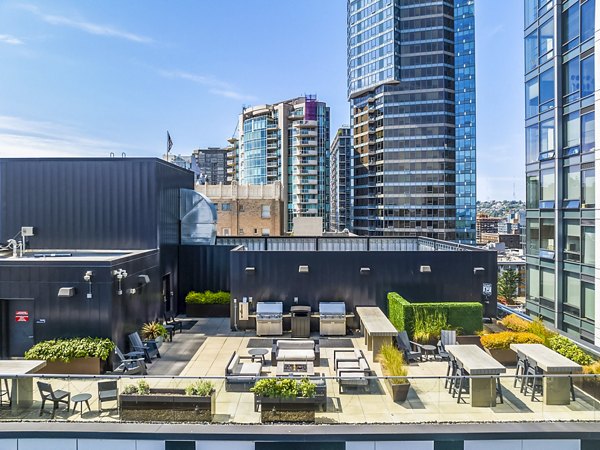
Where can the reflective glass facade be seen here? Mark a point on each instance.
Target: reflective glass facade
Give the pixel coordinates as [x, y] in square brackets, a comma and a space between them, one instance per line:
[411, 80]
[561, 164]
[341, 174]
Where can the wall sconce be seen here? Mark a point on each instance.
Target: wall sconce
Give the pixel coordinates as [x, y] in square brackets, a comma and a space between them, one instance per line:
[302, 269]
[121, 274]
[477, 270]
[365, 270]
[66, 292]
[88, 277]
[425, 269]
[131, 291]
[250, 270]
[143, 280]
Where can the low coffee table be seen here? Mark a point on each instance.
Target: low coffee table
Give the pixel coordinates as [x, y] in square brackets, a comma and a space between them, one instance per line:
[80, 398]
[258, 353]
[295, 368]
[429, 351]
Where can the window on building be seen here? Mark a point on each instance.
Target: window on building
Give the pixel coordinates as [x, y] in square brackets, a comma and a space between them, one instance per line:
[571, 130]
[547, 185]
[533, 282]
[533, 237]
[589, 301]
[588, 79]
[532, 97]
[265, 212]
[532, 143]
[546, 41]
[570, 27]
[588, 181]
[572, 290]
[572, 183]
[531, 51]
[572, 240]
[241, 208]
[266, 232]
[587, 20]
[547, 234]
[547, 283]
[547, 89]
[531, 11]
[226, 232]
[547, 136]
[588, 138]
[571, 80]
[533, 192]
[226, 207]
[589, 245]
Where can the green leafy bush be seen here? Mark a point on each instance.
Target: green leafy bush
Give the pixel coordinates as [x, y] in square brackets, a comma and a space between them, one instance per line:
[142, 388]
[513, 322]
[284, 388]
[504, 339]
[66, 350]
[152, 330]
[569, 349]
[208, 298]
[392, 362]
[464, 316]
[201, 388]
[429, 323]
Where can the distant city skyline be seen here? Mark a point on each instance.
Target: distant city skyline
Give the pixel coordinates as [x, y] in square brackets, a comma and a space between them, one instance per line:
[83, 81]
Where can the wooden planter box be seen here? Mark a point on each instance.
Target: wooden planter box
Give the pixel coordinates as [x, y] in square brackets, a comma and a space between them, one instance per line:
[166, 405]
[287, 409]
[504, 356]
[77, 366]
[471, 339]
[399, 392]
[198, 310]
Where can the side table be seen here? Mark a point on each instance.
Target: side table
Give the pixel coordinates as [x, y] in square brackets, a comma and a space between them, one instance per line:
[80, 398]
[258, 353]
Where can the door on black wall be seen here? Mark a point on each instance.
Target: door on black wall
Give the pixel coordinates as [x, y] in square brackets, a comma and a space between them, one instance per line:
[17, 327]
[166, 292]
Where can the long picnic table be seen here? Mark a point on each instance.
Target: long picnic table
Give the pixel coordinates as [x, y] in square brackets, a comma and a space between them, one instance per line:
[477, 362]
[21, 393]
[557, 390]
[377, 328]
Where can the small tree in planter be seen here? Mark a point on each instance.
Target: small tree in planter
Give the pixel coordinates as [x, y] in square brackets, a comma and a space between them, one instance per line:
[207, 304]
[72, 356]
[392, 362]
[195, 403]
[508, 282]
[285, 399]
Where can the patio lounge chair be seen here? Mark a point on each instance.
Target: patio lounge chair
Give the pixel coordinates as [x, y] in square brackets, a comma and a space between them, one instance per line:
[354, 377]
[108, 391]
[149, 348]
[131, 363]
[242, 370]
[347, 358]
[448, 337]
[56, 397]
[412, 350]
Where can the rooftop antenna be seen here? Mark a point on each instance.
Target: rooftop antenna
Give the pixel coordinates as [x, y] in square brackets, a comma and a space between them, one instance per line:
[123, 155]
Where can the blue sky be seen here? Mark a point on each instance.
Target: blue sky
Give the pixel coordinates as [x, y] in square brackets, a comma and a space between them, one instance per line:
[90, 78]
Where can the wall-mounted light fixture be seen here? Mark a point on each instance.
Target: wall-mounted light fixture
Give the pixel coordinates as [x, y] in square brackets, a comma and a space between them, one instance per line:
[302, 269]
[66, 292]
[121, 274]
[477, 270]
[143, 280]
[250, 270]
[425, 269]
[365, 270]
[88, 277]
[131, 291]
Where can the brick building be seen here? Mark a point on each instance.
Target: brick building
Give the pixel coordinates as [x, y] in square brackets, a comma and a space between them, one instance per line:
[247, 209]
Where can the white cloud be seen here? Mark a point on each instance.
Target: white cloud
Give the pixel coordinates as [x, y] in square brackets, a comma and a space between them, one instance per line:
[217, 87]
[10, 40]
[87, 27]
[22, 138]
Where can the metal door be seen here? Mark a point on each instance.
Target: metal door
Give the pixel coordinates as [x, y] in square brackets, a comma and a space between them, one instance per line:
[20, 326]
[167, 294]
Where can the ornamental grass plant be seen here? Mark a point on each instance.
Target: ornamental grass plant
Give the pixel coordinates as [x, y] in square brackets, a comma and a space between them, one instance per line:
[392, 363]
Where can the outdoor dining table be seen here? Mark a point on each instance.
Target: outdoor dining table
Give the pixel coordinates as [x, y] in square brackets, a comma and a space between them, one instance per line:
[477, 363]
[557, 390]
[22, 388]
[377, 328]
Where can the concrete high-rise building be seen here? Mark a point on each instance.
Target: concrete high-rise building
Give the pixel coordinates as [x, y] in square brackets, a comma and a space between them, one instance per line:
[560, 137]
[212, 162]
[288, 142]
[411, 84]
[341, 177]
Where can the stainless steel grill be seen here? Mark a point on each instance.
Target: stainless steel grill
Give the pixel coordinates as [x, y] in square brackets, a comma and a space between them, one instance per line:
[332, 319]
[269, 318]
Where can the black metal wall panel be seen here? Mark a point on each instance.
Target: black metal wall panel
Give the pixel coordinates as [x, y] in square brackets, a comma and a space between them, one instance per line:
[336, 276]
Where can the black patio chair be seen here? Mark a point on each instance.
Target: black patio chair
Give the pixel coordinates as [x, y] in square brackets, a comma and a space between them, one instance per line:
[56, 397]
[412, 350]
[132, 363]
[170, 320]
[149, 348]
[108, 391]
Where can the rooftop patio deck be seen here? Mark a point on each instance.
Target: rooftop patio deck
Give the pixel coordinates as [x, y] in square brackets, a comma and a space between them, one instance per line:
[428, 400]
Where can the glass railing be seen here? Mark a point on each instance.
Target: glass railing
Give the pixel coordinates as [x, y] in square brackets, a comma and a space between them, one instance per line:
[350, 398]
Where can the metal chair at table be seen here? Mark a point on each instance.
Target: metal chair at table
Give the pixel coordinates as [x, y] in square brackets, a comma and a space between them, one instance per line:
[450, 373]
[5, 392]
[520, 372]
[533, 380]
[461, 382]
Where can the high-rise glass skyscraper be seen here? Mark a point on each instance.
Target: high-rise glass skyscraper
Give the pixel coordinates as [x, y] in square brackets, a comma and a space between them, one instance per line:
[411, 84]
[560, 153]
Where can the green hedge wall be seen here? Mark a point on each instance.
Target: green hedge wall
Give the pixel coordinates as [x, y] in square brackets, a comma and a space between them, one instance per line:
[468, 316]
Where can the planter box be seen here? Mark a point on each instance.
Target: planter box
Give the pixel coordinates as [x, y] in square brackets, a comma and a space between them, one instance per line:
[287, 409]
[198, 310]
[590, 386]
[166, 405]
[504, 356]
[399, 392]
[471, 339]
[77, 366]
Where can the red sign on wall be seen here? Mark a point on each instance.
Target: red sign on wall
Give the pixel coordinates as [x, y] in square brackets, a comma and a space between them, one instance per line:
[21, 316]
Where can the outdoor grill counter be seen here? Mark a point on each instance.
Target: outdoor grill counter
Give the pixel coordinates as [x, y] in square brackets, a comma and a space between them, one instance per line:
[332, 319]
[269, 318]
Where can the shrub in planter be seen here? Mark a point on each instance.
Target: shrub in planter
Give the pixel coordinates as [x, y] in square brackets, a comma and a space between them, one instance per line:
[72, 356]
[286, 399]
[208, 304]
[569, 349]
[195, 403]
[154, 330]
[498, 344]
[513, 322]
[392, 362]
